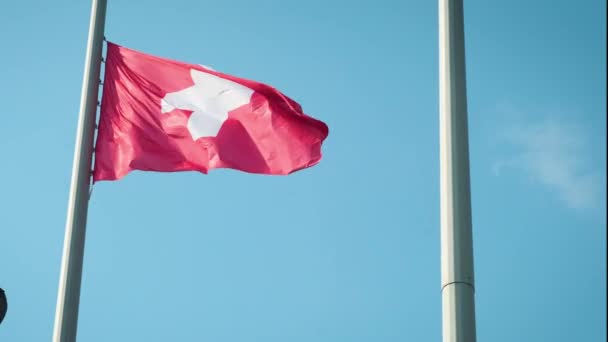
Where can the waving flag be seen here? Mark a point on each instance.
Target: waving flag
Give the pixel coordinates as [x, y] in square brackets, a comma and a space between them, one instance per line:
[163, 115]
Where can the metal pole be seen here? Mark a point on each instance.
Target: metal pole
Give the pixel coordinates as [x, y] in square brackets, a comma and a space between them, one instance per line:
[68, 298]
[457, 278]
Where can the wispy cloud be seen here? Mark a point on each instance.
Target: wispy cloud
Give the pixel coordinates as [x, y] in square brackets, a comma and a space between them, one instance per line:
[556, 155]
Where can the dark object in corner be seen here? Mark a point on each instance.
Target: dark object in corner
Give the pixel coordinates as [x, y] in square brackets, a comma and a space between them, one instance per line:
[3, 305]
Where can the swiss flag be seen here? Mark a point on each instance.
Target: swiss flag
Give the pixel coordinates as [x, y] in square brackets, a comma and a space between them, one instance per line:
[162, 115]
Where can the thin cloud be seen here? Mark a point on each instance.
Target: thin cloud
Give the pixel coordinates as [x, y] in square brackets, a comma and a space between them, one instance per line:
[555, 155]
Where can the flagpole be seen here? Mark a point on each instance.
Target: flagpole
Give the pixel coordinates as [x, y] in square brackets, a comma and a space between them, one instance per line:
[68, 297]
[457, 278]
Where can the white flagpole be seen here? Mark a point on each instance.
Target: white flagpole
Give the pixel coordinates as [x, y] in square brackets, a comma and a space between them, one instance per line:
[457, 278]
[68, 298]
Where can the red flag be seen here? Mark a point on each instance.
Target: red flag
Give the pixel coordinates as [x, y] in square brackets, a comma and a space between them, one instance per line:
[162, 115]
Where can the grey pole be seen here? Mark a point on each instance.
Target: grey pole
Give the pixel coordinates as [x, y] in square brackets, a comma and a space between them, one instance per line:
[457, 278]
[68, 298]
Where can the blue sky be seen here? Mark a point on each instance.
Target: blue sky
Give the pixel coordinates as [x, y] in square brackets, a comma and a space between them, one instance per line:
[349, 249]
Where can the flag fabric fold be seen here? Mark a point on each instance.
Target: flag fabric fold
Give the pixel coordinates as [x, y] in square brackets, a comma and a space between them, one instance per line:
[163, 115]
